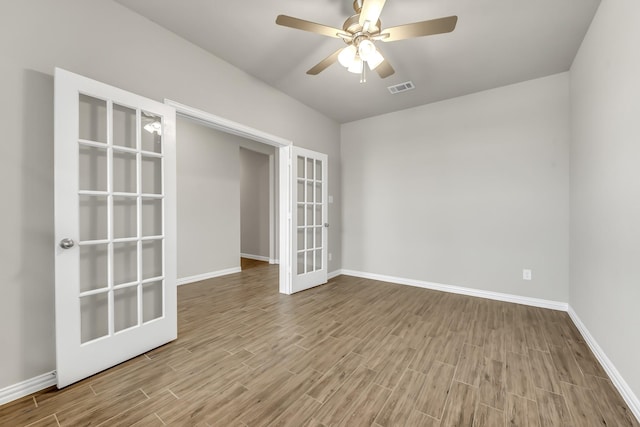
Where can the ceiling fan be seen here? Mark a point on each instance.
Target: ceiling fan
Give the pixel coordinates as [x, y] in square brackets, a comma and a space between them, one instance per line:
[361, 31]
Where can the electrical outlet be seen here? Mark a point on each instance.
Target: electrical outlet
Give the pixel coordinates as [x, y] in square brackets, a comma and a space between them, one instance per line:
[526, 274]
[330, 256]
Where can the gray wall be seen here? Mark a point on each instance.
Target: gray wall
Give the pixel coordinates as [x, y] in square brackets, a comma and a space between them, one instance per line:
[104, 41]
[254, 203]
[464, 192]
[208, 179]
[605, 194]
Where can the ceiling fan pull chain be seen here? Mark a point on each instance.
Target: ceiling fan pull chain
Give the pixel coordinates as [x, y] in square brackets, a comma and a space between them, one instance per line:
[363, 76]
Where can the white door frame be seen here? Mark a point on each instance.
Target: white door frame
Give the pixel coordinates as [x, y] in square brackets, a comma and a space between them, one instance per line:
[283, 147]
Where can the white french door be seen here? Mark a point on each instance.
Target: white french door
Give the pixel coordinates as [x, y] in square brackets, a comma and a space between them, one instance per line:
[115, 281]
[310, 222]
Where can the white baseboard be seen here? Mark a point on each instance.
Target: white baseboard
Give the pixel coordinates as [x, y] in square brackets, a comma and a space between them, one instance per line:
[274, 261]
[333, 274]
[535, 302]
[256, 257]
[27, 387]
[205, 276]
[627, 394]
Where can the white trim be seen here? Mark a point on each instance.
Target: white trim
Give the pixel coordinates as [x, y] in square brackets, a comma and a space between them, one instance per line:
[498, 296]
[334, 274]
[284, 178]
[205, 276]
[618, 381]
[274, 261]
[272, 207]
[256, 257]
[25, 388]
[228, 126]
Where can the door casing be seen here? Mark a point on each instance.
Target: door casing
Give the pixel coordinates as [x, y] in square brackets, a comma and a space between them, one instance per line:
[283, 151]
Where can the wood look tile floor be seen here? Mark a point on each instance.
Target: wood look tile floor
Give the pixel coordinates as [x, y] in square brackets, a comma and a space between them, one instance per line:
[354, 352]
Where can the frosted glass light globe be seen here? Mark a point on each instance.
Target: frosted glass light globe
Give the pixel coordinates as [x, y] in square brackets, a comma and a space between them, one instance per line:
[366, 48]
[347, 56]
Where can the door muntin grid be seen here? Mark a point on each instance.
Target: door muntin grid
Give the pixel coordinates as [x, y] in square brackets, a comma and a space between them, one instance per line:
[121, 209]
[310, 221]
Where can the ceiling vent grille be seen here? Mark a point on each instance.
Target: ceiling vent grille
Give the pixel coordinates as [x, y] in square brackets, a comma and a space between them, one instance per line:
[402, 87]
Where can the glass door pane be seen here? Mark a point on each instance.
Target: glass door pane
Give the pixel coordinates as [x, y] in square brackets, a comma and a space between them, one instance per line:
[121, 217]
[309, 207]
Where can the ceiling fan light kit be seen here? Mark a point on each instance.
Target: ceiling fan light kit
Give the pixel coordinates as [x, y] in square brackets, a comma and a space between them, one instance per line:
[361, 31]
[355, 66]
[347, 56]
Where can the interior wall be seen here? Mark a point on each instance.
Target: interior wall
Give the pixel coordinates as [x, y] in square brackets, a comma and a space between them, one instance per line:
[208, 182]
[464, 192]
[254, 203]
[605, 195]
[104, 41]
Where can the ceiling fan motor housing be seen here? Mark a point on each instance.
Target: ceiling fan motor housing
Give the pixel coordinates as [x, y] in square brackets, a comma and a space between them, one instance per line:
[352, 26]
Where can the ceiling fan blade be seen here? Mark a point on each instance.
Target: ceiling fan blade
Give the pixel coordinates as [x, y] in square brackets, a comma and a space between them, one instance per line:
[322, 65]
[385, 69]
[419, 29]
[370, 11]
[301, 24]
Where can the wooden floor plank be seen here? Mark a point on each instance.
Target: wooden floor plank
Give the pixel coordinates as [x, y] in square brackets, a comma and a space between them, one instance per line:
[50, 421]
[367, 407]
[335, 377]
[344, 399]
[495, 344]
[471, 365]
[543, 372]
[552, 410]
[151, 420]
[270, 406]
[354, 352]
[610, 404]
[522, 412]
[433, 396]
[586, 360]
[100, 409]
[417, 418]
[137, 414]
[487, 416]
[518, 376]
[299, 413]
[425, 355]
[460, 409]
[493, 384]
[390, 361]
[566, 365]
[582, 406]
[401, 402]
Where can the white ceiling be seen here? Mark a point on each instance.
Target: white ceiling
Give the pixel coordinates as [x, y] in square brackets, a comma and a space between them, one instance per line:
[496, 43]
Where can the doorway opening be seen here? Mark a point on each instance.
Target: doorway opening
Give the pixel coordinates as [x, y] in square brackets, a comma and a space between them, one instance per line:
[282, 155]
[258, 201]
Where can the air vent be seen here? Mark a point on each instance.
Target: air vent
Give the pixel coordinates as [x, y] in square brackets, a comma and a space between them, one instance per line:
[402, 87]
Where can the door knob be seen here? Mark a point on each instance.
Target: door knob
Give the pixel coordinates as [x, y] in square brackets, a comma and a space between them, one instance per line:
[326, 224]
[67, 243]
